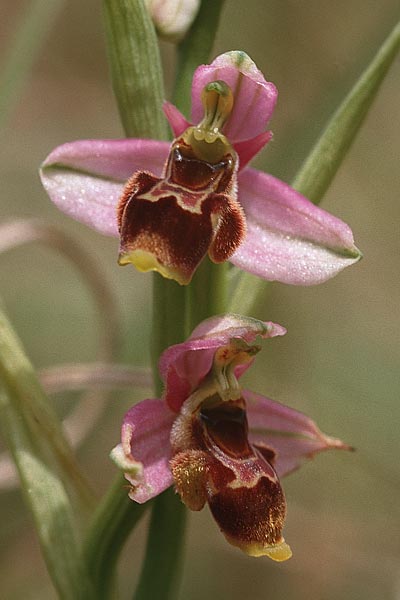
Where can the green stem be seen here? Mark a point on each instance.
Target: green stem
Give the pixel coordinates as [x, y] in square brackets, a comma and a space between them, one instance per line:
[160, 576]
[248, 292]
[111, 525]
[195, 49]
[176, 311]
[207, 294]
[135, 68]
[137, 84]
[137, 81]
[168, 324]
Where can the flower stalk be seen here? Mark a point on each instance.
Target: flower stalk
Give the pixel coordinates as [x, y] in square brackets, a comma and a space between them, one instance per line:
[195, 49]
[127, 24]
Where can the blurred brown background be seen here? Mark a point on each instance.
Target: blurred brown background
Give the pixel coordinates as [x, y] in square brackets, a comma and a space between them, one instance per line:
[340, 359]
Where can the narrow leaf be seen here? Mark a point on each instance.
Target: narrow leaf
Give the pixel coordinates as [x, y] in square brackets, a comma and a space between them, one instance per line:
[41, 453]
[114, 519]
[319, 169]
[36, 416]
[321, 166]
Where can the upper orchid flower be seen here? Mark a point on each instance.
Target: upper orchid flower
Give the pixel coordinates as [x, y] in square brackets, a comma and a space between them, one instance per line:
[217, 443]
[171, 204]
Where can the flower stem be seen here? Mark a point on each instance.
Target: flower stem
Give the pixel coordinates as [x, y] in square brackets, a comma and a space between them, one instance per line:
[176, 311]
[137, 81]
[168, 325]
[168, 515]
[207, 294]
[161, 570]
[195, 49]
[134, 59]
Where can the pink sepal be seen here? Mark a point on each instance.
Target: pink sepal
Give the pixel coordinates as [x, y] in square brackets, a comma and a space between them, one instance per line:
[289, 239]
[249, 148]
[183, 366]
[292, 435]
[145, 439]
[254, 97]
[85, 179]
[175, 118]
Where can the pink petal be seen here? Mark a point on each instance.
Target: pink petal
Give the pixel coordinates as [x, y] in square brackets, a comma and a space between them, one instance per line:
[145, 439]
[255, 97]
[291, 434]
[85, 178]
[183, 366]
[249, 148]
[223, 328]
[175, 118]
[289, 239]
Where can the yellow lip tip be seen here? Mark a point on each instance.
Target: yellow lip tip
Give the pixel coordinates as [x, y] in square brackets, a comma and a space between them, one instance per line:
[279, 553]
[146, 261]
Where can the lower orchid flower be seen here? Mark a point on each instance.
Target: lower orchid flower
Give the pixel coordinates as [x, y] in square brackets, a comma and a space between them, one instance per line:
[171, 204]
[216, 442]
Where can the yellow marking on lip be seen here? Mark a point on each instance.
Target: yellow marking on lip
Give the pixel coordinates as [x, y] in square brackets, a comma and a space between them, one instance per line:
[277, 552]
[145, 261]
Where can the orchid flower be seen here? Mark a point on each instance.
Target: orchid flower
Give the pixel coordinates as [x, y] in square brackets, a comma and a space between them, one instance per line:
[171, 204]
[216, 442]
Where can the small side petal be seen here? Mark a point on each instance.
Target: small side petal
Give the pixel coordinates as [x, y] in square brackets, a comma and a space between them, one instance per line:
[289, 239]
[145, 441]
[247, 149]
[292, 436]
[175, 118]
[254, 97]
[85, 179]
[183, 366]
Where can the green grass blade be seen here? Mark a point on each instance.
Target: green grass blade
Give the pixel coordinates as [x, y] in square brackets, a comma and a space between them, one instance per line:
[41, 453]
